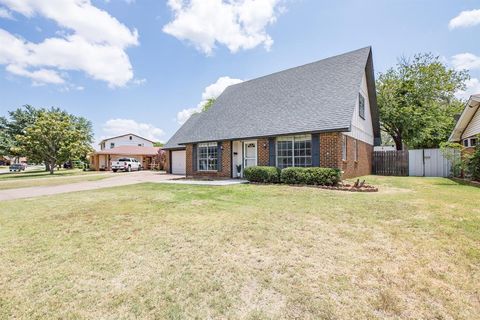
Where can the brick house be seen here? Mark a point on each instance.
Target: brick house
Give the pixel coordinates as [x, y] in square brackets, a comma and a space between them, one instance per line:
[467, 129]
[320, 114]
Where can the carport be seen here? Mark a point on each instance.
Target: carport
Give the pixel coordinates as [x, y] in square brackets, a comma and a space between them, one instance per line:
[101, 160]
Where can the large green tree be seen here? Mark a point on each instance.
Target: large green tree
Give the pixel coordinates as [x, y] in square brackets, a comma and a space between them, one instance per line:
[13, 126]
[417, 101]
[56, 137]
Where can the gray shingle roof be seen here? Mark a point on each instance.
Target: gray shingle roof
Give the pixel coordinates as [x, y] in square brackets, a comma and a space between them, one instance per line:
[183, 133]
[316, 97]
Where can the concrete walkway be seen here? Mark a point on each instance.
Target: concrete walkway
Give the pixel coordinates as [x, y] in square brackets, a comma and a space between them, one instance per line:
[121, 179]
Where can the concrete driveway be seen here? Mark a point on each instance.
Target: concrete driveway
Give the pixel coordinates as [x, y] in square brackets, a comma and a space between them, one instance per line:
[120, 179]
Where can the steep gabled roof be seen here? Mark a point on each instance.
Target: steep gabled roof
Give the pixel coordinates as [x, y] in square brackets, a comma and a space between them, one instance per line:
[315, 97]
[469, 111]
[183, 133]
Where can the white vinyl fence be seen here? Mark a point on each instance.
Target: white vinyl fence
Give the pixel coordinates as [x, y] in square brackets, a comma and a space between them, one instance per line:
[428, 163]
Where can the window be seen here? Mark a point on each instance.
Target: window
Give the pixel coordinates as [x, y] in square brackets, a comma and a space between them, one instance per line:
[131, 137]
[207, 155]
[112, 145]
[355, 145]
[473, 142]
[294, 151]
[465, 142]
[361, 106]
[344, 148]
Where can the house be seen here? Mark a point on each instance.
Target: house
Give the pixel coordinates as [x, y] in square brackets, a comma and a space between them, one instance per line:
[467, 129]
[320, 114]
[128, 139]
[124, 146]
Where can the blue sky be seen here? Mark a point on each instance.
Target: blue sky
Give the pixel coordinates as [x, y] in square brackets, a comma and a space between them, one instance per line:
[144, 65]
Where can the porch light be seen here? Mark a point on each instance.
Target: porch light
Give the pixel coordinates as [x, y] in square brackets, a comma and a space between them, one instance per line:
[264, 146]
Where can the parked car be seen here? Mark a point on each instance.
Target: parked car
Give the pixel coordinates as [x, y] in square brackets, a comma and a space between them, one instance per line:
[126, 164]
[17, 167]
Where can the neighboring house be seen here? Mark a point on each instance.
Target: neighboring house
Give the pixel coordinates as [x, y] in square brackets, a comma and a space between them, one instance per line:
[124, 146]
[467, 129]
[128, 139]
[320, 114]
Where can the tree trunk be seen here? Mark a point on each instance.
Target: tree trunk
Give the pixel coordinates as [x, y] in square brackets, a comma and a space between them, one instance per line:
[398, 142]
[52, 167]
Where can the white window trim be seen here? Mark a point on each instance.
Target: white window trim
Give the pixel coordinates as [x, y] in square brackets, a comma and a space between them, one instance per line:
[207, 144]
[303, 137]
[469, 142]
[344, 148]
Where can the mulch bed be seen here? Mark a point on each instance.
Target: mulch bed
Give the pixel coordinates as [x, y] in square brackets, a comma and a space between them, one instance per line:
[467, 181]
[341, 187]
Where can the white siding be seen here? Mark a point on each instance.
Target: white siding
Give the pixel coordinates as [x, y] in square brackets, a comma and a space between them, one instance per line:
[125, 141]
[473, 127]
[362, 129]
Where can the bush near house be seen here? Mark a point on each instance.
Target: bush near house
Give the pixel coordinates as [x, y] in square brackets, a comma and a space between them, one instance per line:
[474, 164]
[263, 174]
[311, 176]
[308, 176]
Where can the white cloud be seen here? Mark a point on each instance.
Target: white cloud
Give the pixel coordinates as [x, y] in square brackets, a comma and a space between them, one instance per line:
[466, 61]
[472, 87]
[237, 24]
[116, 127]
[211, 91]
[4, 13]
[90, 41]
[465, 19]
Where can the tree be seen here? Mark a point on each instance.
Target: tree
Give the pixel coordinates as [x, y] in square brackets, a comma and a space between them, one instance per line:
[158, 144]
[417, 101]
[56, 137]
[208, 104]
[14, 126]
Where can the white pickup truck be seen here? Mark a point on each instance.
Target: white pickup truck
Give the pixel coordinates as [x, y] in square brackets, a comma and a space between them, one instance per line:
[126, 164]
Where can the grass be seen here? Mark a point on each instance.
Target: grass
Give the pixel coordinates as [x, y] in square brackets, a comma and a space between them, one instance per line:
[41, 173]
[410, 251]
[36, 178]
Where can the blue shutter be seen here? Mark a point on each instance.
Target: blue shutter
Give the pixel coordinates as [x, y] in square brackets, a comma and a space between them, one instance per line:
[271, 152]
[315, 150]
[219, 156]
[194, 158]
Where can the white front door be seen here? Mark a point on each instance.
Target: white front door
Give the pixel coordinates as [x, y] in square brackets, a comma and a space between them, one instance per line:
[250, 153]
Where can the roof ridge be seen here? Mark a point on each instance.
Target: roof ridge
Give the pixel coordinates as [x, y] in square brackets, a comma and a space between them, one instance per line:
[301, 66]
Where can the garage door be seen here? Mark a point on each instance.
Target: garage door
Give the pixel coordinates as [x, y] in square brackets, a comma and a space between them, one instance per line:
[178, 162]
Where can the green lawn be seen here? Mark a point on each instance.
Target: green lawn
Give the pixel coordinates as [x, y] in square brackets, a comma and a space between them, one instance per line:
[41, 178]
[154, 251]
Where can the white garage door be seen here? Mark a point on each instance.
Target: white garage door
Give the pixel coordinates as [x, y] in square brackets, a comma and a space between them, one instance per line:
[178, 162]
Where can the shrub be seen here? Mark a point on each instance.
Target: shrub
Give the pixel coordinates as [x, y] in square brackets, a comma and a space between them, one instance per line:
[474, 164]
[262, 174]
[311, 176]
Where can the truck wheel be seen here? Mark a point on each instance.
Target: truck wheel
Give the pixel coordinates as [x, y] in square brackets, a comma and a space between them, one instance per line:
[114, 170]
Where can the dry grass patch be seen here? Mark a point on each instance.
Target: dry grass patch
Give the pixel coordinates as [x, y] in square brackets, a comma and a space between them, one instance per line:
[244, 252]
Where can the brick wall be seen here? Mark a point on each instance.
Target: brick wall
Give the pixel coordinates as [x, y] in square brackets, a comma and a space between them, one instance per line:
[168, 154]
[330, 150]
[363, 165]
[262, 152]
[226, 171]
[331, 155]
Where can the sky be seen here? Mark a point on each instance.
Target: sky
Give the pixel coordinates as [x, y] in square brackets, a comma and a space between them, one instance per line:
[144, 66]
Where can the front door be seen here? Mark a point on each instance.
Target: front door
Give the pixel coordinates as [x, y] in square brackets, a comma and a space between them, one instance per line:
[250, 154]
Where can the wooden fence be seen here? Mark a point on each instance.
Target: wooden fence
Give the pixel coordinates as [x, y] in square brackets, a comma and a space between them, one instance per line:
[390, 163]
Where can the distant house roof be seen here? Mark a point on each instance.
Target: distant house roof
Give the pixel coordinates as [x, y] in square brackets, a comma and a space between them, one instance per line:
[131, 151]
[316, 97]
[469, 111]
[127, 134]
